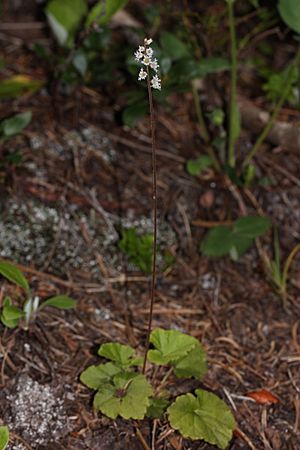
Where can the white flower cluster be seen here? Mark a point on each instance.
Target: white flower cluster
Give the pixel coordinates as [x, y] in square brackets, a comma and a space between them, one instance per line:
[144, 55]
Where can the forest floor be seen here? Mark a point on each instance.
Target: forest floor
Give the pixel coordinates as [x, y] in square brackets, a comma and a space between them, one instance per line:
[82, 178]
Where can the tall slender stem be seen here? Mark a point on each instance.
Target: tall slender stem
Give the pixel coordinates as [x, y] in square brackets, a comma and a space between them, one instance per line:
[233, 113]
[154, 208]
[276, 110]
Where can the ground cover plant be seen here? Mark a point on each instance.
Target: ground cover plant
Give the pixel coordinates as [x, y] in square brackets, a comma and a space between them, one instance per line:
[158, 187]
[12, 315]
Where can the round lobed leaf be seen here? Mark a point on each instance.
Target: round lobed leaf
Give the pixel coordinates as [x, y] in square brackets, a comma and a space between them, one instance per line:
[119, 353]
[95, 376]
[192, 365]
[205, 417]
[170, 345]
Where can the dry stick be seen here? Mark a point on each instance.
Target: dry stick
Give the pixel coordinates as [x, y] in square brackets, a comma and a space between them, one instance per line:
[154, 206]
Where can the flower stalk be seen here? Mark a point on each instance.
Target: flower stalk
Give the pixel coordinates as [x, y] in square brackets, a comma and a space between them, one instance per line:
[144, 55]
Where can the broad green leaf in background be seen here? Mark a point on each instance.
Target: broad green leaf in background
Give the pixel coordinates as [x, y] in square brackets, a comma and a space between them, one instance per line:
[240, 244]
[95, 376]
[132, 113]
[4, 437]
[205, 417]
[289, 11]
[64, 18]
[217, 241]
[14, 125]
[122, 355]
[236, 239]
[251, 226]
[137, 248]
[80, 62]
[157, 407]
[103, 11]
[170, 345]
[196, 166]
[192, 365]
[13, 274]
[129, 401]
[173, 47]
[60, 302]
[212, 64]
[18, 85]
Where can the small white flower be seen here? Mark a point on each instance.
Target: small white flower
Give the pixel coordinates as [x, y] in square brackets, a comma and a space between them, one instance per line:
[154, 64]
[144, 55]
[156, 82]
[148, 41]
[138, 55]
[149, 52]
[146, 60]
[142, 74]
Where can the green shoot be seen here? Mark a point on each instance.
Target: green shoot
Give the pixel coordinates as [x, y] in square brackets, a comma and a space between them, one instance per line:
[12, 316]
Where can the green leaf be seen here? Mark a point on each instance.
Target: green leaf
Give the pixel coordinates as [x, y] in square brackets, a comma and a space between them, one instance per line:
[95, 376]
[289, 11]
[192, 365]
[139, 249]
[12, 313]
[102, 12]
[60, 302]
[18, 85]
[14, 125]
[240, 244]
[197, 166]
[213, 64]
[157, 407]
[64, 18]
[170, 345]
[131, 114]
[234, 240]
[4, 437]
[173, 47]
[13, 274]
[9, 323]
[121, 354]
[205, 417]
[129, 401]
[218, 241]
[80, 62]
[251, 226]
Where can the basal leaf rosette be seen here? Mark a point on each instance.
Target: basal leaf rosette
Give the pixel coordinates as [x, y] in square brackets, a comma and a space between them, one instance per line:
[179, 350]
[128, 397]
[204, 416]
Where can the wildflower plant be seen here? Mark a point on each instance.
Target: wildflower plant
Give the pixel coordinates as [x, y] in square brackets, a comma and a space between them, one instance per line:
[122, 390]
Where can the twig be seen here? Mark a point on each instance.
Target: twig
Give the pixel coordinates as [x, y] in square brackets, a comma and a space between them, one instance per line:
[142, 439]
